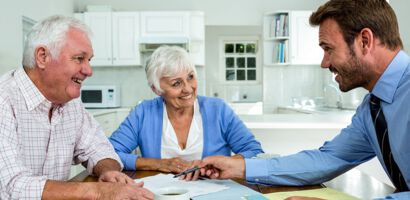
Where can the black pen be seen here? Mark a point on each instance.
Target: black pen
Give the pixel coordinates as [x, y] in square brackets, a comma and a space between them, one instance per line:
[187, 171]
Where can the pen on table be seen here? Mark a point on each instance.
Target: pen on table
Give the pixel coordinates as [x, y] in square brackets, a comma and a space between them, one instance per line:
[187, 171]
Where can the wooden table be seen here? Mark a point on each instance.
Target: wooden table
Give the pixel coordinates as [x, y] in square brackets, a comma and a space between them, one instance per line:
[353, 182]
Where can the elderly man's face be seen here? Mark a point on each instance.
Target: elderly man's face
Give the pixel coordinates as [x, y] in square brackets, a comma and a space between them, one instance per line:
[63, 76]
[179, 91]
[351, 71]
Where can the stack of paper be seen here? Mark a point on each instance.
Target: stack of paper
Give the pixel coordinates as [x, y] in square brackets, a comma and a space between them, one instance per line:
[195, 188]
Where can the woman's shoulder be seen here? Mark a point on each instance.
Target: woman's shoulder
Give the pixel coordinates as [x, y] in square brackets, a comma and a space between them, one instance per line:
[212, 103]
[149, 104]
[210, 100]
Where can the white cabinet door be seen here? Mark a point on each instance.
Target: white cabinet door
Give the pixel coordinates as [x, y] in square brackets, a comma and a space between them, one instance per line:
[108, 121]
[164, 24]
[100, 25]
[304, 39]
[125, 38]
[197, 38]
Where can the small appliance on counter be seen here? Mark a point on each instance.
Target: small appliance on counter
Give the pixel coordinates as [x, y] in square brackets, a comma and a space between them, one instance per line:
[100, 96]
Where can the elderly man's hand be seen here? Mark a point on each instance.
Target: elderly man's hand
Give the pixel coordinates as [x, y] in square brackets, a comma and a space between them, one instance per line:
[115, 176]
[114, 191]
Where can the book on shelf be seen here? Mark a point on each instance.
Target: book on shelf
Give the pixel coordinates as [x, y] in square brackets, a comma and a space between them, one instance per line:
[280, 52]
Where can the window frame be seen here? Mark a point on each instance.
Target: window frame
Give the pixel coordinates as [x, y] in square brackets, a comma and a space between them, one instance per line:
[245, 40]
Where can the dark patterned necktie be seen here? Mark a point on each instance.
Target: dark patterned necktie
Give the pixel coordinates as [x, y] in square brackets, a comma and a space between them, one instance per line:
[383, 137]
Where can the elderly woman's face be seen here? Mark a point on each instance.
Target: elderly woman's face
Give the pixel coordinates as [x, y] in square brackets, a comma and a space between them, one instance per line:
[179, 91]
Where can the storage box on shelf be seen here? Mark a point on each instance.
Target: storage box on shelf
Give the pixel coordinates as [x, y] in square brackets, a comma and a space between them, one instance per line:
[289, 39]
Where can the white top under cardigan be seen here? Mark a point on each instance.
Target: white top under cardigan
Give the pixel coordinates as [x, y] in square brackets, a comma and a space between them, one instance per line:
[195, 142]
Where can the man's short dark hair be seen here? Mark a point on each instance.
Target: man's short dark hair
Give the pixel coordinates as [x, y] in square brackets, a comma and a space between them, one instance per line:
[354, 15]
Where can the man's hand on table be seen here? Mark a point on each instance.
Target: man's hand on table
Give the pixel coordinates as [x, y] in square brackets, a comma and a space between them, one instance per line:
[134, 191]
[115, 176]
[222, 167]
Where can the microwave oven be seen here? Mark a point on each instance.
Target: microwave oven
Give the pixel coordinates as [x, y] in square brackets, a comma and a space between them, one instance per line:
[100, 96]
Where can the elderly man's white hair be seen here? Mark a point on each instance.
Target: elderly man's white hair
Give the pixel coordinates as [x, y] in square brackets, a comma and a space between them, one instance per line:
[50, 32]
[167, 61]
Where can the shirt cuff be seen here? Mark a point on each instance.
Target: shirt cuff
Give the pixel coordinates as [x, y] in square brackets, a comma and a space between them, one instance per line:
[255, 169]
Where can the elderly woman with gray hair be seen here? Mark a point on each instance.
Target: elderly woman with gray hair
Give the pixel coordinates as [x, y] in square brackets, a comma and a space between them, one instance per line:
[177, 129]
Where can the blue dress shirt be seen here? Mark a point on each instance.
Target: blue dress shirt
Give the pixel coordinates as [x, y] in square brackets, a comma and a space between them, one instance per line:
[223, 132]
[357, 143]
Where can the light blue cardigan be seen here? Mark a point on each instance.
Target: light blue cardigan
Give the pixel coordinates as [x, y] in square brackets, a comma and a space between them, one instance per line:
[223, 132]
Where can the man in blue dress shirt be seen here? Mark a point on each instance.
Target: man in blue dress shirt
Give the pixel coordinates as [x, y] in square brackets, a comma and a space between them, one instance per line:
[362, 47]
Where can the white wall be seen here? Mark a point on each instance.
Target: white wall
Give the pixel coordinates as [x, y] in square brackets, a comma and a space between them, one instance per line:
[401, 7]
[11, 12]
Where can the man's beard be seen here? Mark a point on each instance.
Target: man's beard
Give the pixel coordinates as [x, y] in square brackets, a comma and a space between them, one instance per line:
[352, 74]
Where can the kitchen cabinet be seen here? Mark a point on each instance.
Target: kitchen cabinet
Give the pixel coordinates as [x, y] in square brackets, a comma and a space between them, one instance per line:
[187, 25]
[108, 122]
[115, 38]
[197, 38]
[165, 24]
[289, 39]
[110, 119]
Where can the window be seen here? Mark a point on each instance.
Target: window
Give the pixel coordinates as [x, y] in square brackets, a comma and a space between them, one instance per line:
[240, 60]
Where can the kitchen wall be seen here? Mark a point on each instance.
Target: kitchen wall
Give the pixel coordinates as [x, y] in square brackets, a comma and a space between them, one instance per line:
[245, 17]
[11, 12]
[215, 85]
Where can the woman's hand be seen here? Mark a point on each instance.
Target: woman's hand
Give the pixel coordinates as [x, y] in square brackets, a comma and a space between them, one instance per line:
[173, 165]
[194, 175]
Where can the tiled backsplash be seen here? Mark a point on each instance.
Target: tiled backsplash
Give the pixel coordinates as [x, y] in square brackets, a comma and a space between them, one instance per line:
[237, 93]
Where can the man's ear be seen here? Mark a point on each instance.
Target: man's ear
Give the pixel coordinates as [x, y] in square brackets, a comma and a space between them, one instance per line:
[42, 56]
[366, 40]
[155, 90]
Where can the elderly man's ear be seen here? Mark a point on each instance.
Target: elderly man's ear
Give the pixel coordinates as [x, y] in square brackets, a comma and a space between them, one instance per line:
[155, 90]
[42, 56]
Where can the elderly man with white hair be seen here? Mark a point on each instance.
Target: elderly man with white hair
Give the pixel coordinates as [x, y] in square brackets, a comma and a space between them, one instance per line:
[44, 128]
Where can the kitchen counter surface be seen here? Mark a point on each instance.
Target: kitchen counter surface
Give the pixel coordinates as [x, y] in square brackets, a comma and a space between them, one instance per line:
[298, 121]
[329, 120]
[103, 111]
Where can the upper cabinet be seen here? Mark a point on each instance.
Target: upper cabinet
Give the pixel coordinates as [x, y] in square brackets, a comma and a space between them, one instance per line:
[115, 38]
[289, 39]
[165, 24]
[176, 26]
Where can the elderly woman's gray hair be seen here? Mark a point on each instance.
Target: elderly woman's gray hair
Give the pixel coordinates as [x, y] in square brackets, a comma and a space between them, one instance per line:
[50, 32]
[167, 61]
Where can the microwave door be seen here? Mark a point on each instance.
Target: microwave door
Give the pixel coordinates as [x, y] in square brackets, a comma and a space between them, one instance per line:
[92, 98]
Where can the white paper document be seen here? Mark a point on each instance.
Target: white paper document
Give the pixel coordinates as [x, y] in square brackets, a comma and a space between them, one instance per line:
[195, 188]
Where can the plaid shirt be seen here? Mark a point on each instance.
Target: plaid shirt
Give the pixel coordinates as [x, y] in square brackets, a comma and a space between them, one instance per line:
[33, 148]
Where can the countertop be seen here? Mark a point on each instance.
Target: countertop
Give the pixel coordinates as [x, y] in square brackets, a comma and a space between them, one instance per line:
[328, 120]
[103, 111]
[298, 121]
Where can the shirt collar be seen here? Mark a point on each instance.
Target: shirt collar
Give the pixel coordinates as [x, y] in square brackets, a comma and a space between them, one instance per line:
[388, 83]
[30, 92]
